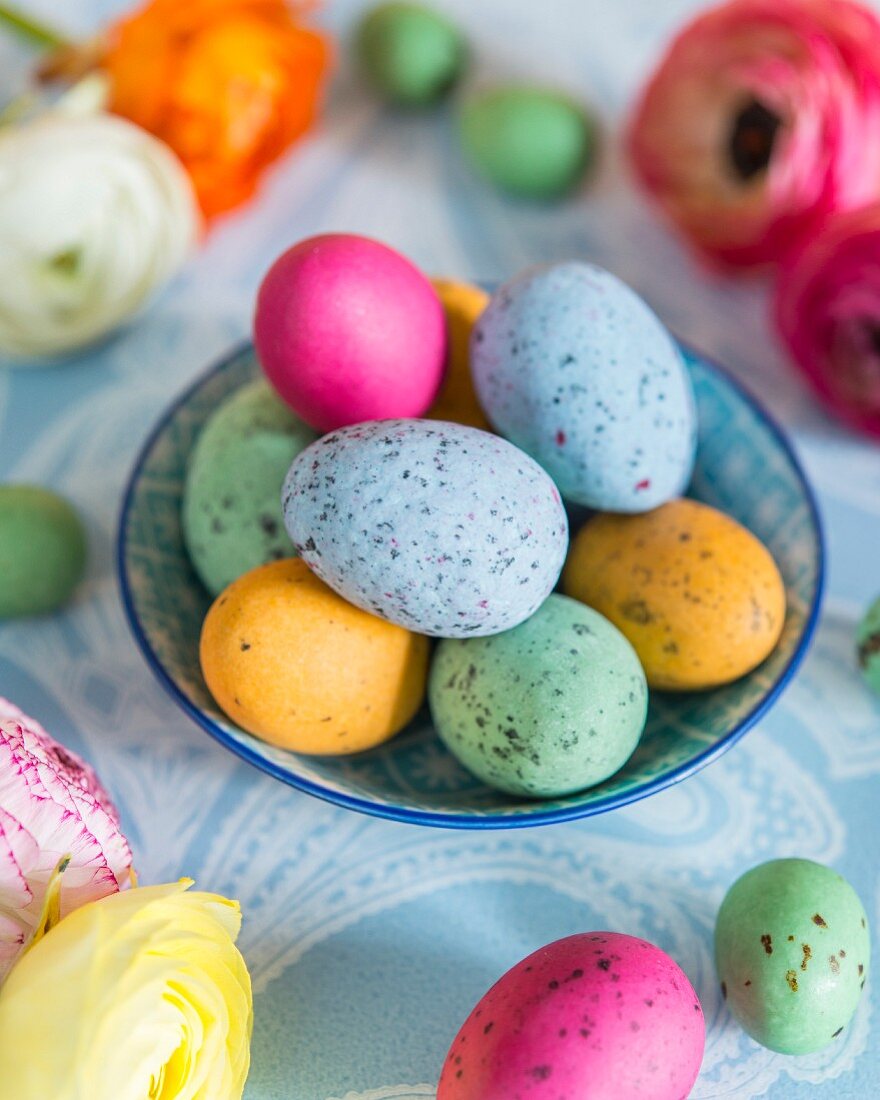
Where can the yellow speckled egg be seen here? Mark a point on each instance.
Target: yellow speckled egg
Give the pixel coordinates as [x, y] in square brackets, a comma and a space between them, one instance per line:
[457, 399]
[296, 665]
[698, 596]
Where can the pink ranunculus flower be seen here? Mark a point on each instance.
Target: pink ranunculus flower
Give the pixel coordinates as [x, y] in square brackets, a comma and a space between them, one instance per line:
[761, 120]
[60, 841]
[827, 310]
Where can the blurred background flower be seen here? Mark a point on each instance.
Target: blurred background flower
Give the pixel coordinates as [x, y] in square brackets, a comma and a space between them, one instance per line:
[143, 994]
[761, 120]
[828, 313]
[228, 84]
[60, 841]
[95, 216]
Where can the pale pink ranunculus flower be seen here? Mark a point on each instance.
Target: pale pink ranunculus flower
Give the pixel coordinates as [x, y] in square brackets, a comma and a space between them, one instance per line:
[60, 839]
[760, 121]
[827, 310]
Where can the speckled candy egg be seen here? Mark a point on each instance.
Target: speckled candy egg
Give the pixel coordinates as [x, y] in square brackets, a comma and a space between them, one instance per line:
[439, 527]
[597, 1016]
[231, 515]
[297, 666]
[529, 141]
[457, 400]
[554, 705]
[699, 596]
[868, 646]
[792, 950]
[42, 551]
[411, 54]
[347, 329]
[572, 366]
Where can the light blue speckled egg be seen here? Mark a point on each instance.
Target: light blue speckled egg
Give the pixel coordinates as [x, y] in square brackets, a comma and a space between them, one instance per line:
[444, 529]
[574, 368]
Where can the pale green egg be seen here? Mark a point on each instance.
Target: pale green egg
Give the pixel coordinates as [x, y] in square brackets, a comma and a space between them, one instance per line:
[42, 551]
[528, 141]
[232, 518]
[868, 646]
[792, 950]
[411, 54]
[552, 706]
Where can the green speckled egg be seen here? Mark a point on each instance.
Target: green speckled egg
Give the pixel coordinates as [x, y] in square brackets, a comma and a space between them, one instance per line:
[528, 141]
[868, 646]
[42, 551]
[552, 706]
[411, 54]
[792, 950]
[232, 519]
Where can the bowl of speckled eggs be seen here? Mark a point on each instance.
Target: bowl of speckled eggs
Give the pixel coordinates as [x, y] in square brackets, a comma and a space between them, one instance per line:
[463, 558]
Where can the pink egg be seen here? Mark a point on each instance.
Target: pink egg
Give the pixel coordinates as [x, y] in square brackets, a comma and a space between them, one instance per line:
[600, 1015]
[347, 330]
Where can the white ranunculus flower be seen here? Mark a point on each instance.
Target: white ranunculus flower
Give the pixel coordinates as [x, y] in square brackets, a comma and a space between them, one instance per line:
[95, 215]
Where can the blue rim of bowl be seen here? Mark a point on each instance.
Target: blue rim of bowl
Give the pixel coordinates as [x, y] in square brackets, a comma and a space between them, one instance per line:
[464, 820]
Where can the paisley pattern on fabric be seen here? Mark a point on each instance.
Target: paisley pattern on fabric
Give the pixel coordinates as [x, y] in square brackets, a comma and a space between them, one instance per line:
[370, 941]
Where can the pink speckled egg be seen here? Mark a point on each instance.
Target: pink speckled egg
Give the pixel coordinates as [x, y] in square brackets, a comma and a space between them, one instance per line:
[599, 1015]
[347, 330]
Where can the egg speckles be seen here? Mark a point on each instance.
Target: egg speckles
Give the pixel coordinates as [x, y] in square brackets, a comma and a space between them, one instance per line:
[442, 528]
[792, 950]
[572, 366]
[599, 1015]
[554, 705]
[699, 596]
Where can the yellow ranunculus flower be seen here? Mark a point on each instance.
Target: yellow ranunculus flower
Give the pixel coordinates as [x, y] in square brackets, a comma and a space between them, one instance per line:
[141, 995]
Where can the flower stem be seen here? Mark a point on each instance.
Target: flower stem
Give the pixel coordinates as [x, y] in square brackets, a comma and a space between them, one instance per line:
[30, 29]
[17, 108]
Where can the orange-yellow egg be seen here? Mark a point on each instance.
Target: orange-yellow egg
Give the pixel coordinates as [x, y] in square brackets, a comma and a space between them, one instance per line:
[698, 596]
[457, 399]
[296, 665]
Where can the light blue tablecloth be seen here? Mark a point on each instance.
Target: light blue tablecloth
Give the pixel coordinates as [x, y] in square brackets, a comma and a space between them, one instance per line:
[369, 941]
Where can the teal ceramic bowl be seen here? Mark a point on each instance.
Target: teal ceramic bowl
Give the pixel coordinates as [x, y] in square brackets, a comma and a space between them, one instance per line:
[745, 467]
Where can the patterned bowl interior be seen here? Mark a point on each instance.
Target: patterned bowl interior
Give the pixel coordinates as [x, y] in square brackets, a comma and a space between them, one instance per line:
[744, 467]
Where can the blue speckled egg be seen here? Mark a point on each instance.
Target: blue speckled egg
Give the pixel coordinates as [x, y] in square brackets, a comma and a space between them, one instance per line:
[555, 705]
[444, 529]
[573, 367]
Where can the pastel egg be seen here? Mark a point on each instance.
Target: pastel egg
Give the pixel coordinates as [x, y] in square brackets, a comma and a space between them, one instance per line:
[792, 950]
[868, 646]
[698, 596]
[528, 141]
[598, 1015]
[232, 519]
[439, 527]
[410, 54]
[553, 706]
[574, 368]
[347, 329]
[42, 551]
[457, 399]
[294, 664]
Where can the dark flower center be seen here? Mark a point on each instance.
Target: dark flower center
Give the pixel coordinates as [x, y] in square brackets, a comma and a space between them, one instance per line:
[752, 137]
[873, 336]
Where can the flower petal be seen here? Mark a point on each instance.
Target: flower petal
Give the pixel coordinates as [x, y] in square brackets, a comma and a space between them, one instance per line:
[53, 810]
[142, 993]
[759, 122]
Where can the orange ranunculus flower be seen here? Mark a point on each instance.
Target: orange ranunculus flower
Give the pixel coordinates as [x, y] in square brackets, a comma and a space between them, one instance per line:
[228, 84]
